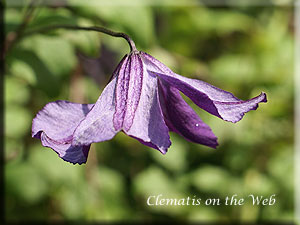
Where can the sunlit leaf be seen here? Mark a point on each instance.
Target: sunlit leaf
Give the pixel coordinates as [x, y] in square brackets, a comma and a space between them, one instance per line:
[17, 121]
[16, 91]
[55, 52]
[25, 182]
[175, 159]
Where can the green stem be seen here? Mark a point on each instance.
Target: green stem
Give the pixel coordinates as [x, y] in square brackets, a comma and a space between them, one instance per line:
[94, 28]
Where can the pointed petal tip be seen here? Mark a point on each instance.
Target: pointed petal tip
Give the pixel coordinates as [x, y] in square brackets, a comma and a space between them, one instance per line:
[67, 152]
[215, 145]
[164, 150]
[264, 95]
[212, 143]
[63, 156]
[253, 105]
[161, 149]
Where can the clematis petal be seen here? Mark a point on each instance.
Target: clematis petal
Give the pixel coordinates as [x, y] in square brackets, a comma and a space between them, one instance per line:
[121, 93]
[59, 119]
[128, 92]
[69, 153]
[227, 107]
[148, 124]
[182, 119]
[55, 124]
[98, 124]
[212, 99]
[134, 90]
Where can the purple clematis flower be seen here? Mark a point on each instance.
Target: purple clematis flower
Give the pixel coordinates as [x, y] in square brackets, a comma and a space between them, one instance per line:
[143, 100]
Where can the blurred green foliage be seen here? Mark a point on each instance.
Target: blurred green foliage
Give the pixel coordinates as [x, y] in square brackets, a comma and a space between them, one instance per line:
[244, 50]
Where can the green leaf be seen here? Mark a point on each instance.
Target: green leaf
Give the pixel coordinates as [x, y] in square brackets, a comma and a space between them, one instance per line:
[45, 79]
[175, 159]
[258, 183]
[214, 180]
[56, 53]
[154, 181]
[280, 166]
[16, 91]
[24, 71]
[221, 21]
[13, 18]
[234, 68]
[24, 183]
[54, 169]
[13, 149]
[72, 201]
[110, 181]
[202, 213]
[85, 41]
[17, 121]
[48, 16]
[110, 185]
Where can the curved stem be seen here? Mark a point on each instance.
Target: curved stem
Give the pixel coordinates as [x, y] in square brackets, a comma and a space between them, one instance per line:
[94, 28]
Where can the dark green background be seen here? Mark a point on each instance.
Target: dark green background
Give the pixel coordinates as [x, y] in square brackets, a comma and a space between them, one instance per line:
[244, 50]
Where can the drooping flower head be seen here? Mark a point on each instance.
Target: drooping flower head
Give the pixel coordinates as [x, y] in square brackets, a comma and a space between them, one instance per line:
[143, 100]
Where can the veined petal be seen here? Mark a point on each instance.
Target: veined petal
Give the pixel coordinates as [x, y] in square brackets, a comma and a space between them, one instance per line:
[128, 92]
[121, 93]
[212, 99]
[148, 124]
[98, 124]
[55, 125]
[59, 119]
[134, 91]
[228, 107]
[182, 119]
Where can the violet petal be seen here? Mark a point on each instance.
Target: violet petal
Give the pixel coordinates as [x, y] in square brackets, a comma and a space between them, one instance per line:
[134, 91]
[182, 119]
[148, 124]
[69, 153]
[212, 99]
[121, 93]
[59, 119]
[98, 124]
[128, 92]
[55, 125]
